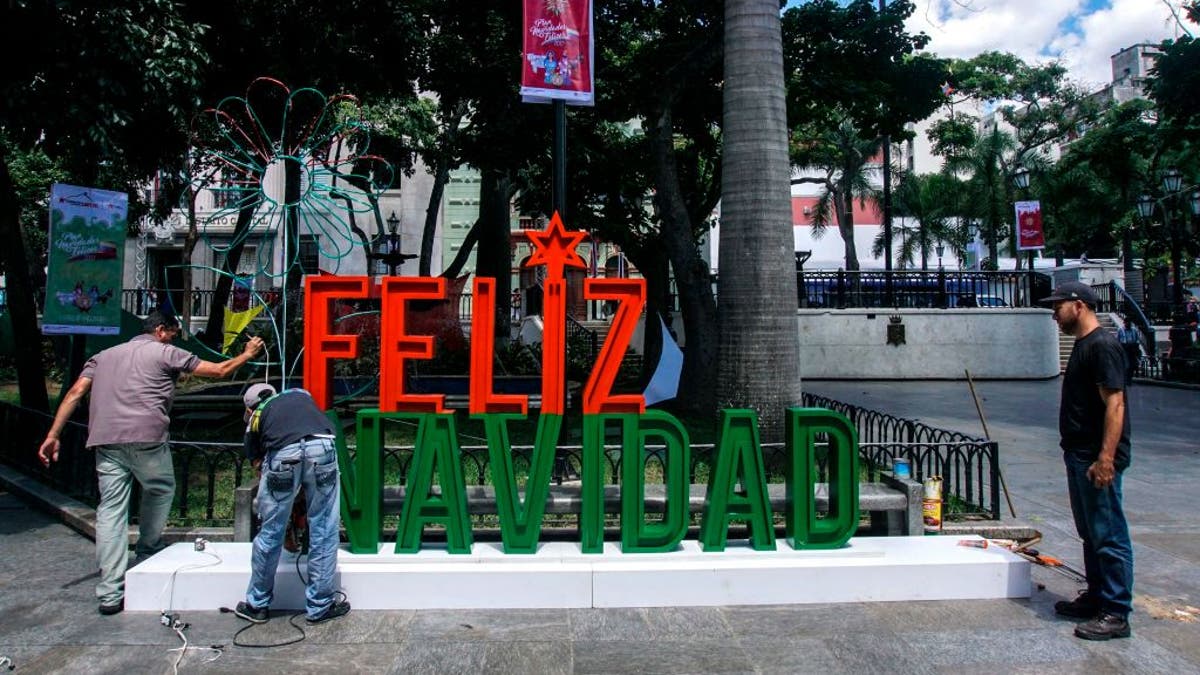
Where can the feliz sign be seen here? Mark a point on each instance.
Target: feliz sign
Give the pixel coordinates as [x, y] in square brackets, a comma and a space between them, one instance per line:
[736, 489]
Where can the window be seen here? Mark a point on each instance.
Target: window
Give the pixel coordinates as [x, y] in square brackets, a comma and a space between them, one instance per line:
[310, 253]
[247, 264]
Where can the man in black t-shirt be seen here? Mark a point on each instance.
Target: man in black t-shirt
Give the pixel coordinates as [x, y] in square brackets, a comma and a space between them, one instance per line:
[1093, 423]
[294, 440]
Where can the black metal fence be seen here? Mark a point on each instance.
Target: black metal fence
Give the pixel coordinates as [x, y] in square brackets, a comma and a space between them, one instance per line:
[207, 472]
[969, 466]
[915, 288]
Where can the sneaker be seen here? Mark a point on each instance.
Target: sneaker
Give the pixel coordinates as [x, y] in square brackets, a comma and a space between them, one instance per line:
[115, 608]
[245, 611]
[1085, 606]
[1103, 627]
[332, 612]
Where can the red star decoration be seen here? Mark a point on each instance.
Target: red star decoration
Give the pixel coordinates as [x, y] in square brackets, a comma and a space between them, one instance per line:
[554, 247]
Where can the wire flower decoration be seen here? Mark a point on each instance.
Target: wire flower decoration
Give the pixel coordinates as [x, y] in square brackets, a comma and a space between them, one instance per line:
[282, 160]
[286, 166]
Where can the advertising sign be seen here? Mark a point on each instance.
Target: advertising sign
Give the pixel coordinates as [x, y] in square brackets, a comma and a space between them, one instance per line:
[557, 52]
[86, 257]
[1029, 226]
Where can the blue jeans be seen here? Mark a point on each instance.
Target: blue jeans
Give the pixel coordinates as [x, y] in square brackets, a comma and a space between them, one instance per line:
[1100, 522]
[313, 464]
[117, 466]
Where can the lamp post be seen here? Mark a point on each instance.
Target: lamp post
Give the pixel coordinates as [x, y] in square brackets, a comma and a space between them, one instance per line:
[940, 250]
[392, 256]
[1172, 183]
[1020, 179]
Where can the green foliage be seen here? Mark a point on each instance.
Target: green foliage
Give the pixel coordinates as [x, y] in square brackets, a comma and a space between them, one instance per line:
[926, 199]
[1176, 79]
[851, 59]
[32, 171]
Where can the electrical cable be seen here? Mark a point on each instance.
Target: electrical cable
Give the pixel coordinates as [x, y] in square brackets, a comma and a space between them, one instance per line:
[172, 620]
[179, 628]
[171, 582]
[340, 597]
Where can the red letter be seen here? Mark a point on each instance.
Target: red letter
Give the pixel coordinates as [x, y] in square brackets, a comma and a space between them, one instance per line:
[483, 339]
[631, 296]
[554, 345]
[396, 346]
[320, 343]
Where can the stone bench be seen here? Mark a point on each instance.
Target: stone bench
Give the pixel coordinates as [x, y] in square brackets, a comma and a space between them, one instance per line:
[894, 504]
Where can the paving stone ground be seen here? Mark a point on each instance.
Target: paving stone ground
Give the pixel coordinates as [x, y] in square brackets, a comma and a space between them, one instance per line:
[49, 624]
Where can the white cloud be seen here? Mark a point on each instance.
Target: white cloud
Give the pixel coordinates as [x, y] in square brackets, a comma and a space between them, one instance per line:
[1106, 31]
[1082, 34]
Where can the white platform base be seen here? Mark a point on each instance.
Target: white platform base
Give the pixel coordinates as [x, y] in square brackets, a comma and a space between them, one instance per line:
[558, 575]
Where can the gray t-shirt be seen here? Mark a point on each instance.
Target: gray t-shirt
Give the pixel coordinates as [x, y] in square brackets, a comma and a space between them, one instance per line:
[133, 385]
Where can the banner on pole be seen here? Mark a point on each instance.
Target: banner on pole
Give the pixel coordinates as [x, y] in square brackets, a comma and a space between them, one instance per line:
[557, 51]
[86, 261]
[1030, 236]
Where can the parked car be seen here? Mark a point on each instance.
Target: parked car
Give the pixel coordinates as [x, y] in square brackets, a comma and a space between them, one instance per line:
[977, 300]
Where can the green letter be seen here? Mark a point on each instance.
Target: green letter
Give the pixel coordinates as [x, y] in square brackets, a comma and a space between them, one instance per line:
[739, 457]
[638, 536]
[362, 482]
[521, 523]
[591, 515]
[803, 528]
[436, 450]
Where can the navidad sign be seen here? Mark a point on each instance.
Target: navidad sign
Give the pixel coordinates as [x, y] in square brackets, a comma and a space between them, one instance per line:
[738, 459]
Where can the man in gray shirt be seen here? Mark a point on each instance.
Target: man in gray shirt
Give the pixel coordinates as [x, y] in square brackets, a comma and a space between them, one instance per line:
[132, 386]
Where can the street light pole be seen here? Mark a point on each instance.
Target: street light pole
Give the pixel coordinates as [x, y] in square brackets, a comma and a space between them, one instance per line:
[1172, 183]
[392, 256]
[1020, 179]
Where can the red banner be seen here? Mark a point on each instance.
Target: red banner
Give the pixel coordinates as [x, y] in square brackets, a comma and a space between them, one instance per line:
[1029, 226]
[557, 52]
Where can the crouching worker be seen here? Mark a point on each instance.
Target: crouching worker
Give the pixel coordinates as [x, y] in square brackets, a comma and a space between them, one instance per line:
[294, 441]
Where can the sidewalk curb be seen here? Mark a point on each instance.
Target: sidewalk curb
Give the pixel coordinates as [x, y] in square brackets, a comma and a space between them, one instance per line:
[82, 518]
[72, 512]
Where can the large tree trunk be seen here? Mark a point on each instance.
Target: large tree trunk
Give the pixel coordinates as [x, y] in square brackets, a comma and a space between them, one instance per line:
[843, 202]
[697, 383]
[214, 332]
[189, 246]
[759, 348]
[494, 255]
[22, 308]
[441, 176]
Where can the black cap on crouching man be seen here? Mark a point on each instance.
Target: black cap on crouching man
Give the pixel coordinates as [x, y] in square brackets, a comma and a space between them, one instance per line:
[255, 395]
[1071, 290]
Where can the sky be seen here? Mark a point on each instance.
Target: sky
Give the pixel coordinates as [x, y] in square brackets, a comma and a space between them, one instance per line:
[1082, 34]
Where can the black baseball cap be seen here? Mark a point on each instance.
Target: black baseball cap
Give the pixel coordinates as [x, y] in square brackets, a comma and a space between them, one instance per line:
[1071, 290]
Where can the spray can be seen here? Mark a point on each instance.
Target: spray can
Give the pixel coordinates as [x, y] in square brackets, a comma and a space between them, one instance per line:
[931, 505]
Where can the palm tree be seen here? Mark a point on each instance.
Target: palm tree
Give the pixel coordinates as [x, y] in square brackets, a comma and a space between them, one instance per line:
[924, 202]
[844, 157]
[758, 347]
[988, 200]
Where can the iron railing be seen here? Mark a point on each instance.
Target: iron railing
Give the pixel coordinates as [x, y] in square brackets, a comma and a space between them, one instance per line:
[969, 466]
[207, 472]
[916, 288]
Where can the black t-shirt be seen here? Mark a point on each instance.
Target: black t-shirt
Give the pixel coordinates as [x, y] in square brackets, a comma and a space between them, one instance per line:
[1097, 360]
[283, 419]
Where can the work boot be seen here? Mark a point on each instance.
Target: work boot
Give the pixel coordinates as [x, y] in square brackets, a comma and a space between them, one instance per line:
[1103, 627]
[1085, 606]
